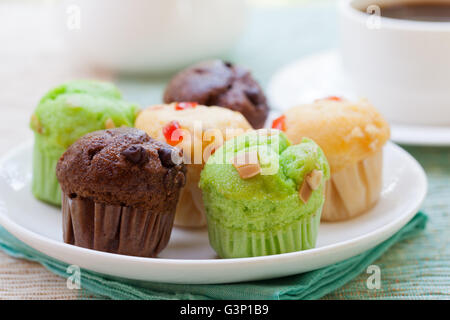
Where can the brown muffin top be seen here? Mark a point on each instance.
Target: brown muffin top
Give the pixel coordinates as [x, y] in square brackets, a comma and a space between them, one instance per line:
[123, 167]
[218, 83]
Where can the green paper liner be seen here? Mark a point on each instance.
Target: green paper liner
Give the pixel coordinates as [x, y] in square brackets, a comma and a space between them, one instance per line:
[229, 243]
[45, 185]
[116, 229]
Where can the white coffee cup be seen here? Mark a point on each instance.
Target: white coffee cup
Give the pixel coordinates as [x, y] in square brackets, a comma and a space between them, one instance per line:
[401, 66]
[151, 36]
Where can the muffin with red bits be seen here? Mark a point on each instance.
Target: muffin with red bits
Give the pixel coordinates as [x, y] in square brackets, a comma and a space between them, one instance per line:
[219, 83]
[352, 135]
[197, 130]
[120, 191]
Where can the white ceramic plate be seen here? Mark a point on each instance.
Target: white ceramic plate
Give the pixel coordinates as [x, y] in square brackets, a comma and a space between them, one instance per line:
[188, 257]
[321, 75]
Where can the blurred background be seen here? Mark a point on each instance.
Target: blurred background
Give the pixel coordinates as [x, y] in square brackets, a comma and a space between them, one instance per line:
[45, 42]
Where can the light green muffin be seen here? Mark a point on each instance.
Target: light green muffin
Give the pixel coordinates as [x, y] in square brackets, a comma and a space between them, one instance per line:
[264, 214]
[63, 115]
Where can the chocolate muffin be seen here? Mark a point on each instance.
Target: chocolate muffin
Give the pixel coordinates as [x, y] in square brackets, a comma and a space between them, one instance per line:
[120, 189]
[219, 83]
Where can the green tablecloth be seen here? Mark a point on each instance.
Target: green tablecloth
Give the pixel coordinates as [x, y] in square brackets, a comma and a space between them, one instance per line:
[415, 268]
[310, 285]
[418, 268]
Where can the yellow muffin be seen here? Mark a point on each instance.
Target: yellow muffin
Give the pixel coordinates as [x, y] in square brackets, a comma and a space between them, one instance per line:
[352, 135]
[200, 130]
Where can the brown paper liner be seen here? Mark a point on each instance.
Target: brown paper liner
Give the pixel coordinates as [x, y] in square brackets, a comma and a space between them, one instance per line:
[115, 229]
[353, 190]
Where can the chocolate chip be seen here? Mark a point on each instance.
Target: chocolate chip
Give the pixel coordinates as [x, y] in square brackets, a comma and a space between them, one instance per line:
[136, 154]
[228, 64]
[72, 195]
[169, 157]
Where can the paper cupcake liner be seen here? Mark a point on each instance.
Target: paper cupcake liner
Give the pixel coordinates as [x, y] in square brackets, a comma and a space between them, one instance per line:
[190, 209]
[45, 185]
[229, 243]
[115, 229]
[353, 190]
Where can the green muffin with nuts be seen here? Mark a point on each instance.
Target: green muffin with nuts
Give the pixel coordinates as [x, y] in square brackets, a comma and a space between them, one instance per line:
[263, 195]
[65, 114]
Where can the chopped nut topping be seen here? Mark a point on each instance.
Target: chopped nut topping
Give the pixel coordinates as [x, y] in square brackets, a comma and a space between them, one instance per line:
[35, 124]
[109, 124]
[247, 164]
[373, 145]
[371, 129]
[305, 191]
[357, 132]
[248, 171]
[314, 179]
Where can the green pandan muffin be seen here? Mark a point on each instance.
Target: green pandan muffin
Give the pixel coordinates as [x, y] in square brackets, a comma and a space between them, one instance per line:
[267, 205]
[63, 115]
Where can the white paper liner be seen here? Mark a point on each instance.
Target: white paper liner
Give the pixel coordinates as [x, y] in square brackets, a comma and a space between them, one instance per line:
[353, 190]
[190, 210]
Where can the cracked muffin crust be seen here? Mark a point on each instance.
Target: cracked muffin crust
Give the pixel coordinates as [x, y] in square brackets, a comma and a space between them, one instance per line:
[120, 189]
[122, 166]
[219, 83]
[352, 135]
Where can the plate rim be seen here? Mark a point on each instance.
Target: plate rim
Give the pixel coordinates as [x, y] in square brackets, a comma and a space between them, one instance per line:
[426, 130]
[376, 236]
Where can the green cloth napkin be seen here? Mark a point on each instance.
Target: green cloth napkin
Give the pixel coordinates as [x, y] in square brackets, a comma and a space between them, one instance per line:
[310, 285]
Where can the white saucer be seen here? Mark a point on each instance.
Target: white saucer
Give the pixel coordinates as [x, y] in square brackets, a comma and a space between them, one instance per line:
[188, 257]
[321, 75]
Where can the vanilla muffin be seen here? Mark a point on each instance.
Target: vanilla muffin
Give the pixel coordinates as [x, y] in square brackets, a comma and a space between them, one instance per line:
[352, 135]
[198, 130]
